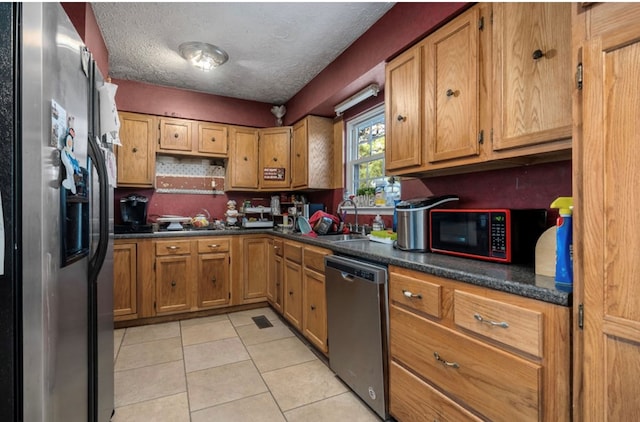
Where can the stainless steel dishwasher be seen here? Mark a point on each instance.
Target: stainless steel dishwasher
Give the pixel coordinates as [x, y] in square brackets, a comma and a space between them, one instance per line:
[357, 328]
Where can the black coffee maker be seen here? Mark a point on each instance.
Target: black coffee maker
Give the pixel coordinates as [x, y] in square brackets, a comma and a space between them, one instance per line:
[133, 209]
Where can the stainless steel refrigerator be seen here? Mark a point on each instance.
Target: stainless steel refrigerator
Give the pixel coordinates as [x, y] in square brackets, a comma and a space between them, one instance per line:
[56, 242]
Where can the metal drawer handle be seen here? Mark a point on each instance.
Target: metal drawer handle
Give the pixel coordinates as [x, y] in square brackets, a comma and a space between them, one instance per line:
[479, 318]
[173, 248]
[213, 246]
[347, 277]
[444, 362]
[410, 295]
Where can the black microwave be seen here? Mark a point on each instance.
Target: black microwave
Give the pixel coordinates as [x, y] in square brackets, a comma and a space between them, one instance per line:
[500, 235]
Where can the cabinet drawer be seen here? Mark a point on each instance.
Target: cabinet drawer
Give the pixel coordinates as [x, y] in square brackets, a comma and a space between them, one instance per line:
[173, 247]
[512, 325]
[413, 400]
[213, 244]
[293, 252]
[314, 258]
[499, 385]
[416, 294]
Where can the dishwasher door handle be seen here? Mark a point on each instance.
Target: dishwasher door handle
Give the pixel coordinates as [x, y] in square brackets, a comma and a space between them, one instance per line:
[347, 277]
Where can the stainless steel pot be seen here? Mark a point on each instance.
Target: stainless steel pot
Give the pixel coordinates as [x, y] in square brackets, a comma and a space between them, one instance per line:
[413, 222]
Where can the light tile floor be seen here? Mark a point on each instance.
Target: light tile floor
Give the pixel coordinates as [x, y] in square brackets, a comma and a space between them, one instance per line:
[224, 368]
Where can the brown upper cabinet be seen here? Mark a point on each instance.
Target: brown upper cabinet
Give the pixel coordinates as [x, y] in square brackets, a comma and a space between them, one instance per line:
[493, 83]
[533, 76]
[433, 102]
[136, 156]
[312, 153]
[451, 88]
[242, 167]
[275, 162]
[189, 137]
[259, 159]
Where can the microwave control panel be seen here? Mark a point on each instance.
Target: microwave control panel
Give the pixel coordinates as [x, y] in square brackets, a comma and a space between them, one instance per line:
[499, 234]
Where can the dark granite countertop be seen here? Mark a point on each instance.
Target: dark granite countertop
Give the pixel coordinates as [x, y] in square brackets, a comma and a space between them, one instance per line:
[518, 280]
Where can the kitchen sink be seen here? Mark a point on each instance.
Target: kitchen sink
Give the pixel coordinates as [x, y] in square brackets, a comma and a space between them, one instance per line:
[347, 237]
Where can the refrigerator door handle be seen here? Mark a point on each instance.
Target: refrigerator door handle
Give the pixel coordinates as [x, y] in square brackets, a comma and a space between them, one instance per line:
[1, 238]
[97, 260]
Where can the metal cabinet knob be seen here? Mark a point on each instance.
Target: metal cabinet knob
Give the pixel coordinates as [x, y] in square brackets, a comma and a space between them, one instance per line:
[213, 139]
[213, 280]
[538, 54]
[401, 118]
[290, 293]
[245, 159]
[135, 149]
[175, 135]
[173, 284]
[275, 158]
[313, 308]
[450, 93]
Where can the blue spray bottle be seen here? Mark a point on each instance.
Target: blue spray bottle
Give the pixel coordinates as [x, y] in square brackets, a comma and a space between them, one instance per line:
[564, 244]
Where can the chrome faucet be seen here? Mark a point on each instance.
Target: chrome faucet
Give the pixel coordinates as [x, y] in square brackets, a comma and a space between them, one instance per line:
[355, 209]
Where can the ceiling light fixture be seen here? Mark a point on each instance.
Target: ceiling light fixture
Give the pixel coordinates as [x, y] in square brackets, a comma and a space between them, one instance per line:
[202, 55]
[370, 91]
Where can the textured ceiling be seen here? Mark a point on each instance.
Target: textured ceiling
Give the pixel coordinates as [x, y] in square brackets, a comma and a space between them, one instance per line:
[275, 49]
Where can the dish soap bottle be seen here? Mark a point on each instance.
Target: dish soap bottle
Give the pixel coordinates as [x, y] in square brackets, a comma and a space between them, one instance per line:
[564, 244]
[378, 224]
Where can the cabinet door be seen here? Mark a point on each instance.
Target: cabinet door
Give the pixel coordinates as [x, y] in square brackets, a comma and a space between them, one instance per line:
[243, 158]
[213, 280]
[403, 146]
[173, 274]
[255, 253]
[136, 157]
[175, 135]
[276, 275]
[275, 144]
[533, 79]
[299, 155]
[314, 318]
[212, 139]
[293, 293]
[611, 99]
[451, 107]
[124, 281]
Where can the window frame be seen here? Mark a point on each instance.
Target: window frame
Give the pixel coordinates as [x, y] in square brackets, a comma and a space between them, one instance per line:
[352, 145]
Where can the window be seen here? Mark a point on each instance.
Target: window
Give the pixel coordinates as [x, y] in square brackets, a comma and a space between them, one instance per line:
[365, 153]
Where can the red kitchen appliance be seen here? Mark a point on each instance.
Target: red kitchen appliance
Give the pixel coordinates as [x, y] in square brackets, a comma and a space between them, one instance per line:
[500, 235]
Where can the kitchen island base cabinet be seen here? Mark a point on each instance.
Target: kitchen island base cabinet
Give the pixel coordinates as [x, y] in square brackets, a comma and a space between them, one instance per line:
[478, 353]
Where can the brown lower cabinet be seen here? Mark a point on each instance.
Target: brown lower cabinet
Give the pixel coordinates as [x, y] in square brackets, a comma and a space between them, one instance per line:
[463, 352]
[297, 275]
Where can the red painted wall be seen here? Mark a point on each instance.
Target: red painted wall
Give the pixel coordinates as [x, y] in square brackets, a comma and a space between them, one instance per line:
[363, 62]
[83, 19]
[164, 101]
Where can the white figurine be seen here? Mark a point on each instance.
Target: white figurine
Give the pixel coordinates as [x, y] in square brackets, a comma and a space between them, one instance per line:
[231, 213]
[279, 112]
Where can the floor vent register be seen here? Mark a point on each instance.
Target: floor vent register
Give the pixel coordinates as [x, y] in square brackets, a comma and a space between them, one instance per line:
[262, 321]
